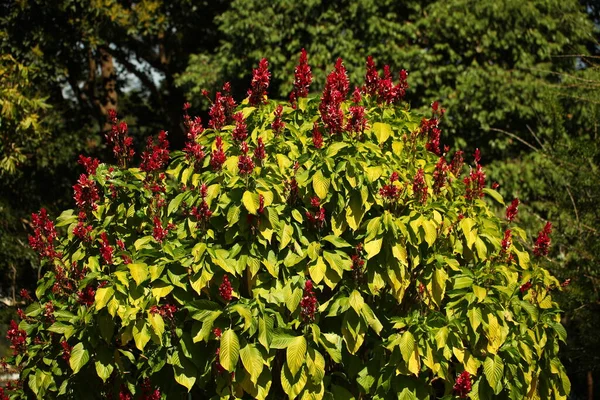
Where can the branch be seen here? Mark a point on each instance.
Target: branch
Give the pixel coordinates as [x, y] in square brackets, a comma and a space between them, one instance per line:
[512, 135]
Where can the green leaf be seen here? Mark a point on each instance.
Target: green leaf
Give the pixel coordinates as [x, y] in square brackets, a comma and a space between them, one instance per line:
[494, 195]
[185, 373]
[317, 270]
[291, 384]
[373, 247]
[253, 361]
[337, 241]
[467, 224]
[493, 369]
[438, 287]
[382, 131]
[286, 236]
[354, 211]
[139, 272]
[79, 357]
[174, 204]
[430, 232]
[296, 354]
[141, 334]
[157, 323]
[321, 184]
[103, 296]
[230, 350]
[356, 301]
[251, 202]
[315, 363]
[410, 352]
[104, 363]
[371, 318]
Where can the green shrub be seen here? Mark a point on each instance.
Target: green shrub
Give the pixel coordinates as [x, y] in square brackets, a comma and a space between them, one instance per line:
[324, 249]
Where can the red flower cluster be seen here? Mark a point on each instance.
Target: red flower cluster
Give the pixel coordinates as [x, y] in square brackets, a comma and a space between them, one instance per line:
[202, 213]
[336, 90]
[358, 262]
[430, 127]
[86, 296]
[240, 132]
[525, 287]
[218, 365]
[86, 193]
[475, 182]
[439, 175]
[462, 386]
[66, 350]
[222, 108]
[159, 232]
[83, 231]
[3, 396]
[259, 152]
[291, 188]
[302, 78]
[419, 186]
[147, 392]
[457, 163]
[512, 210]
[118, 138]
[507, 241]
[390, 192]
[542, 244]
[317, 138]
[90, 164]
[260, 83]
[17, 338]
[44, 235]
[192, 149]
[217, 332]
[61, 282]
[225, 289]
[308, 304]
[156, 155]
[278, 124]
[218, 157]
[106, 249]
[384, 88]
[24, 293]
[317, 219]
[167, 311]
[49, 312]
[245, 163]
[124, 394]
[357, 122]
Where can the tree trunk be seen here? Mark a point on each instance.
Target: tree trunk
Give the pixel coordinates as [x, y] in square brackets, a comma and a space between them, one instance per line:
[109, 84]
[590, 385]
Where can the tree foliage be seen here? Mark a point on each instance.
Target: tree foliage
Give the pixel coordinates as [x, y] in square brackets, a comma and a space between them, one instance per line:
[324, 250]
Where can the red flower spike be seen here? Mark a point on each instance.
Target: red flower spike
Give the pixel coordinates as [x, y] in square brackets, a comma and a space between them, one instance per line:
[42, 241]
[159, 233]
[260, 83]
[156, 156]
[148, 393]
[217, 332]
[17, 338]
[90, 164]
[278, 124]
[475, 183]
[66, 350]
[356, 96]
[357, 122]
[372, 77]
[86, 296]
[86, 193]
[525, 287]
[119, 139]
[439, 175]
[317, 138]
[457, 163]
[419, 186]
[542, 244]
[106, 250]
[240, 132]
[308, 304]
[507, 241]
[336, 90]
[302, 78]
[218, 156]
[462, 386]
[259, 152]
[512, 210]
[225, 289]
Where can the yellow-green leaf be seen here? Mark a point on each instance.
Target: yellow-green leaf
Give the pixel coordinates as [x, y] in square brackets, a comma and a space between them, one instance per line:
[79, 357]
[103, 296]
[230, 350]
[373, 247]
[382, 131]
[252, 361]
[296, 354]
[320, 184]
[139, 272]
[251, 202]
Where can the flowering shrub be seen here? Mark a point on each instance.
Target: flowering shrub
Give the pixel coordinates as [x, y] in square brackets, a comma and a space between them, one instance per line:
[326, 248]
